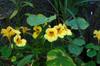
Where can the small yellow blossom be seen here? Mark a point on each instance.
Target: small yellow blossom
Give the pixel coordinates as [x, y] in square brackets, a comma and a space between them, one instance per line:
[51, 34]
[68, 32]
[37, 31]
[62, 30]
[36, 34]
[17, 31]
[37, 28]
[24, 29]
[19, 42]
[97, 34]
[9, 31]
[13, 58]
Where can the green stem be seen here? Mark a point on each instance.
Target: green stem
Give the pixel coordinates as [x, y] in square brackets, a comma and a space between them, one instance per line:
[98, 42]
[43, 42]
[51, 46]
[53, 6]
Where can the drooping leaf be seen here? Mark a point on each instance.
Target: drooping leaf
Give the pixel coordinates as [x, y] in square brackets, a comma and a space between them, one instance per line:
[28, 4]
[25, 60]
[14, 13]
[51, 18]
[57, 57]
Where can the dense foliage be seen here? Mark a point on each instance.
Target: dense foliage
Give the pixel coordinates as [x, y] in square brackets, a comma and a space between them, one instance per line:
[58, 39]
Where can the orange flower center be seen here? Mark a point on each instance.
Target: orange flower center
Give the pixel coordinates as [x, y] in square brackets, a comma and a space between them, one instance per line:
[18, 40]
[51, 33]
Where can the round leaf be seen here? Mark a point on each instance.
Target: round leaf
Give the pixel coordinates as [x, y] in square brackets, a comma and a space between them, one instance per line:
[78, 42]
[6, 51]
[78, 23]
[58, 57]
[34, 20]
[74, 49]
[91, 53]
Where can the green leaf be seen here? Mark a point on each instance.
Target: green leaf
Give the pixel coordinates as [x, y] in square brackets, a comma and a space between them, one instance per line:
[14, 1]
[96, 47]
[72, 11]
[25, 60]
[90, 63]
[27, 4]
[34, 20]
[5, 51]
[98, 58]
[58, 57]
[91, 53]
[74, 49]
[92, 46]
[14, 13]
[79, 61]
[51, 18]
[78, 23]
[78, 42]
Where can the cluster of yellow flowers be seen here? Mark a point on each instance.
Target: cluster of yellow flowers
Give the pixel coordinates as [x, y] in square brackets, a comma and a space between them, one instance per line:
[9, 32]
[97, 34]
[57, 31]
[51, 34]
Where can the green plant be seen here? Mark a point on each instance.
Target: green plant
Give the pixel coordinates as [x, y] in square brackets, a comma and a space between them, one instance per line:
[49, 41]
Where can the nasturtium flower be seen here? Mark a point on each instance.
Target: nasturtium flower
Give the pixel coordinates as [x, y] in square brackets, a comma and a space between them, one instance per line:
[19, 42]
[37, 28]
[17, 31]
[51, 34]
[37, 31]
[62, 30]
[24, 29]
[35, 34]
[68, 32]
[97, 34]
[9, 31]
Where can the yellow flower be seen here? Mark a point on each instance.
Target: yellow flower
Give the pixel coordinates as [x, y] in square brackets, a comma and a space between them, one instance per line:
[51, 34]
[37, 30]
[17, 31]
[97, 34]
[62, 30]
[24, 29]
[19, 42]
[35, 34]
[68, 32]
[9, 31]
